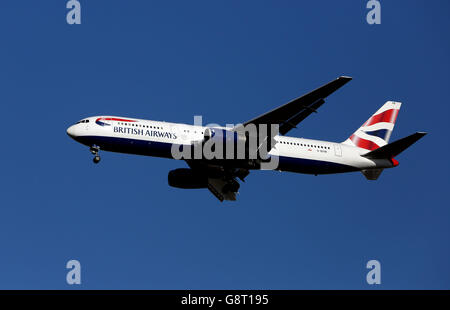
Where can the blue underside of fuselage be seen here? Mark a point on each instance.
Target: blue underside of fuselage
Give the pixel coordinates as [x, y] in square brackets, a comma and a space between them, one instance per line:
[162, 149]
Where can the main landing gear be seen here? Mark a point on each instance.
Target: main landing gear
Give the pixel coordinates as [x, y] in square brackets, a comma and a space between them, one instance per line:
[94, 150]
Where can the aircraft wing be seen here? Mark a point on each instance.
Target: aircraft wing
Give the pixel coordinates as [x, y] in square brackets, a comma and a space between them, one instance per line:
[292, 113]
[222, 179]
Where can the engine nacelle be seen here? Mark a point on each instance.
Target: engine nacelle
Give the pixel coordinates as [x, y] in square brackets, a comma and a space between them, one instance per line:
[187, 178]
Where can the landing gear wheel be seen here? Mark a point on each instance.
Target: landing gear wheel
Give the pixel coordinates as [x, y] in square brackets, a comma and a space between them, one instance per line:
[94, 150]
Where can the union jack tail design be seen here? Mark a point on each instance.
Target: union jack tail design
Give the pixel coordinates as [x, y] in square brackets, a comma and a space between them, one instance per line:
[376, 131]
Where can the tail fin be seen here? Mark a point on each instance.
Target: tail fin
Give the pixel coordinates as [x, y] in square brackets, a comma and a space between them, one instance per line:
[377, 130]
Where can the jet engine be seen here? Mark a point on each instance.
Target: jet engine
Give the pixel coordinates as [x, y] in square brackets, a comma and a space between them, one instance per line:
[187, 178]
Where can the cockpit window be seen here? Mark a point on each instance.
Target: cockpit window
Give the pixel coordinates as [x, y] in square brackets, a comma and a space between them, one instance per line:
[82, 121]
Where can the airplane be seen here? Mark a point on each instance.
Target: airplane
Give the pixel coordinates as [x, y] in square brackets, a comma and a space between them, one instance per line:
[367, 150]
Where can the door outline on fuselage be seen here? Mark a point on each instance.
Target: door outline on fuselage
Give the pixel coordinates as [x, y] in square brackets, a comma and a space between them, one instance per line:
[338, 150]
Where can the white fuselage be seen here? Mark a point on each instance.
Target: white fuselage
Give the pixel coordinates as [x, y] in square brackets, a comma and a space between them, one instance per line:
[153, 138]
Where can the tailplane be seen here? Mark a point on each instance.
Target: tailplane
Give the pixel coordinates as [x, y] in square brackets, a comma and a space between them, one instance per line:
[391, 150]
[377, 130]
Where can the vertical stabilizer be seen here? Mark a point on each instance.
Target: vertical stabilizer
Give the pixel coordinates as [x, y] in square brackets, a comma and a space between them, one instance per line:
[377, 130]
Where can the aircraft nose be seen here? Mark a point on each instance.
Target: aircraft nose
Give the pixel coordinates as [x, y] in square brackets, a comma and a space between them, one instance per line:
[71, 131]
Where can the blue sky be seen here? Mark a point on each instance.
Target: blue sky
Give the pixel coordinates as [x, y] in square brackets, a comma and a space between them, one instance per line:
[227, 61]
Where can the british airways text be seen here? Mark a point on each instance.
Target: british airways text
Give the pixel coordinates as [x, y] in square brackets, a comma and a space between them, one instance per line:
[145, 132]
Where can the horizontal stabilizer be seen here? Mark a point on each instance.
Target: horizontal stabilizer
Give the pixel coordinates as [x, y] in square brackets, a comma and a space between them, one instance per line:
[393, 149]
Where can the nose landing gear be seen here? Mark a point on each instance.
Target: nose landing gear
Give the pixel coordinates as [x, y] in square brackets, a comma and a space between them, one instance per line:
[96, 159]
[94, 150]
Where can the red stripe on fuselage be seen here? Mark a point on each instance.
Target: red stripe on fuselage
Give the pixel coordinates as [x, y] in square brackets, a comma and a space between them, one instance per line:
[388, 116]
[114, 119]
